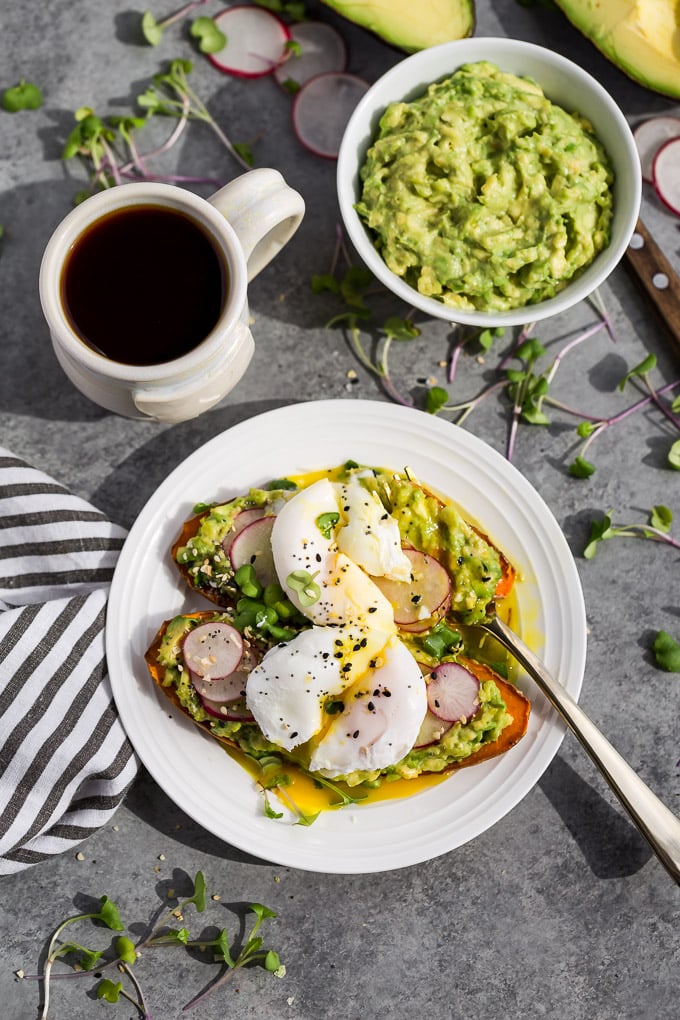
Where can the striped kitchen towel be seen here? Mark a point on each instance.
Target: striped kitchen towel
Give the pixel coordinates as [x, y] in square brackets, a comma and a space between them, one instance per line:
[65, 761]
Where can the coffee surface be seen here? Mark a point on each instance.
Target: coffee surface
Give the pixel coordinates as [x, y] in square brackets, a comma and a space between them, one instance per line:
[144, 285]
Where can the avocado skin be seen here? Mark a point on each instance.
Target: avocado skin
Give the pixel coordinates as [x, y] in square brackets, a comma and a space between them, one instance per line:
[407, 26]
[640, 39]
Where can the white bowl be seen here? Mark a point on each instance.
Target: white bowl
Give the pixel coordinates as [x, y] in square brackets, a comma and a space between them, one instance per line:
[565, 84]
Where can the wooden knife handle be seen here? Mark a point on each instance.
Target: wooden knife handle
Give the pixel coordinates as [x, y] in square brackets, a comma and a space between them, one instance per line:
[657, 278]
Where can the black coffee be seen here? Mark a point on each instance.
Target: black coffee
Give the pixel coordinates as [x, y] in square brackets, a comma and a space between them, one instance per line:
[144, 285]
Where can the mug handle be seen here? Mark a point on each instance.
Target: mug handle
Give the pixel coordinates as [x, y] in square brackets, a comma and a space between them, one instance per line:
[264, 213]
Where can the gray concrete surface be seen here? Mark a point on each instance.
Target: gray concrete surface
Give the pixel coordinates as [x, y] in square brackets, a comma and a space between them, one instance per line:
[560, 910]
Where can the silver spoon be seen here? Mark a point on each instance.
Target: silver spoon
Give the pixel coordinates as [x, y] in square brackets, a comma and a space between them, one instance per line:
[659, 826]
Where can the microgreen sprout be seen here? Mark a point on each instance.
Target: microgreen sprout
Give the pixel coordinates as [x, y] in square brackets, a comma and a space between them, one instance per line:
[107, 915]
[126, 953]
[210, 38]
[526, 386]
[152, 30]
[641, 371]
[294, 9]
[24, 96]
[666, 652]
[590, 428]
[171, 95]
[251, 952]
[304, 585]
[657, 529]
[109, 146]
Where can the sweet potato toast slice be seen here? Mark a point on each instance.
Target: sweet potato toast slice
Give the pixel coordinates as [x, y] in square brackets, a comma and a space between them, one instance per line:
[517, 705]
[190, 530]
[156, 671]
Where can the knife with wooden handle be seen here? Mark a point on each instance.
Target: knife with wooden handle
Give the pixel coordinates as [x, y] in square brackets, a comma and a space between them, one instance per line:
[657, 278]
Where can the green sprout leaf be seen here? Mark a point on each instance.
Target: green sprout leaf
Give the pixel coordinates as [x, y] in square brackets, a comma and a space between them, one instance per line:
[174, 937]
[291, 86]
[245, 152]
[674, 455]
[302, 582]
[321, 282]
[87, 958]
[199, 897]
[295, 9]
[396, 328]
[269, 811]
[281, 483]
[599, 530]
[24, 96]
[531, 350]
[661, 517]
[437, 397]
[151, 30]
[645, 366]
[353, 286]
[210, 38]
[261, 911]
[125, 949]
[272, 961]
[109, 914]
[666, 652]
[581, 468]
[485, 339]
[109, 990]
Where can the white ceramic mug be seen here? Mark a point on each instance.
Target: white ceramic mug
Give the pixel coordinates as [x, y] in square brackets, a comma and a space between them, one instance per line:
[248, 221]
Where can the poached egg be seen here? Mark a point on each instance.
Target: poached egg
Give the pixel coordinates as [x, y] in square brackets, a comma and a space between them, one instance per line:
[352, 653]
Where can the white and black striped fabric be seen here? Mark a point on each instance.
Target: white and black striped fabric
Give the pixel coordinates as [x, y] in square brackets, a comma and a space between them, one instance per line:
[65, 761]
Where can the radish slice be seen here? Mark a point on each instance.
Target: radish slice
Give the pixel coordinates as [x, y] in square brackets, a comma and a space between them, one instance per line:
[242, 519]
[321, 49]
[226, 690]
[254, 545]
[322, 108]
[213, 650]
[235, 711]
[649, 136]
[256, 41]
[418, 603]
[666, 170]
[453, 692]
[432, 730]
[223, 689]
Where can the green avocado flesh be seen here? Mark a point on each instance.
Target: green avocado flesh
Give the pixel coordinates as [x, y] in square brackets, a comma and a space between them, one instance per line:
[410, 26]
[484, 194]
[642, 37]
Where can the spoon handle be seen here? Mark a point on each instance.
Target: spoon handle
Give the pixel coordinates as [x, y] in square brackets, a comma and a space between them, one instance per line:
[659, 826]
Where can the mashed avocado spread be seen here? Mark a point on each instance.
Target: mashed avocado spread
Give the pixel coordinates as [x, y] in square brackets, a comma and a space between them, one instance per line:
[484, 194]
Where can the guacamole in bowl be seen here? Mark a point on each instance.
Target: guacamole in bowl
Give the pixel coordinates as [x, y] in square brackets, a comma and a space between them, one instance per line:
[485, 194]
[489, 182]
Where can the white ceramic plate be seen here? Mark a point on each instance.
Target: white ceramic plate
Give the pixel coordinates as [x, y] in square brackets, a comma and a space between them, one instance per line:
[192, 768]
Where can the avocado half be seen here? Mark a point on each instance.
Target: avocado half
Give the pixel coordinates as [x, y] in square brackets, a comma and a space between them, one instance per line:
[407, 25]
[641, 38]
